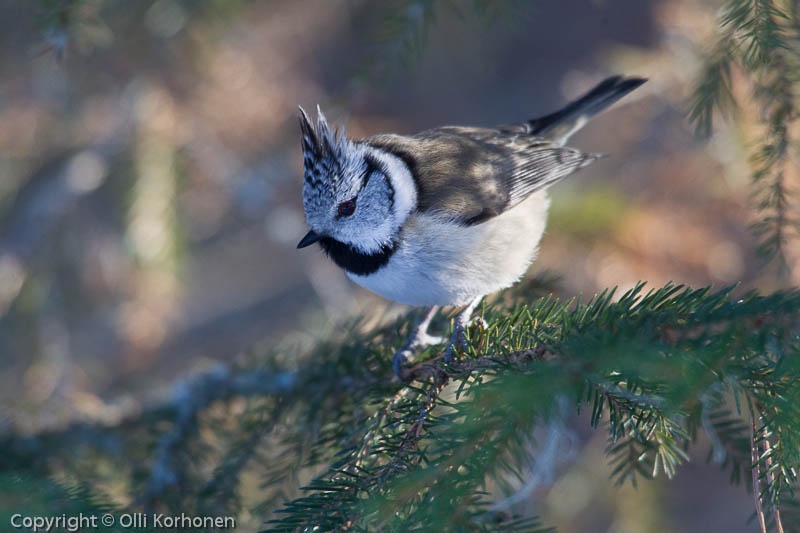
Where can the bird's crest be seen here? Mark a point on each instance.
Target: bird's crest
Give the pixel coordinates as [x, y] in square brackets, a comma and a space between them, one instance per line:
[323, 149]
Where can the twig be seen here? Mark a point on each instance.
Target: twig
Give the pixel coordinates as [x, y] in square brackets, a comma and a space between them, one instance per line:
[461, 367]
[755, 472]
[182, 405]
[222, 485]
[550, 455]
[187, 400]
[379, 417]
[776, 512]
[408, 441]
[719, 453]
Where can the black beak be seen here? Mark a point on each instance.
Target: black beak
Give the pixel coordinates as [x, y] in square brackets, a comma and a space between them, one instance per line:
[309, 239]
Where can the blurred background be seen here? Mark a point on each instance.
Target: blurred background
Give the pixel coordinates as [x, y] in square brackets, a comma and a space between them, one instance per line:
[150, 178]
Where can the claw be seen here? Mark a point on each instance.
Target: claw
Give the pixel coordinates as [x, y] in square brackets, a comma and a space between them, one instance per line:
[458, 341]
[400, 363]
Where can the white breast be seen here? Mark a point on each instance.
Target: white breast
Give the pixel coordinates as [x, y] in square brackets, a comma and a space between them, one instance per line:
[441, 263]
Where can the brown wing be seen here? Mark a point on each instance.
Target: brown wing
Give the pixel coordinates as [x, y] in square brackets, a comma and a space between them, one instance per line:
[474, 174]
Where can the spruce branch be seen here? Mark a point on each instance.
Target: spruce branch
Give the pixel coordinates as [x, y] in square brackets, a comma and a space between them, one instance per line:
[760, 38]
[713, 91]
[649, 366]
[455, 449]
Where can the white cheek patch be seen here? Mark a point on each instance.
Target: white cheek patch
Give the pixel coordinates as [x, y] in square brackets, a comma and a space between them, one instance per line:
[405, 190]
[370, 239]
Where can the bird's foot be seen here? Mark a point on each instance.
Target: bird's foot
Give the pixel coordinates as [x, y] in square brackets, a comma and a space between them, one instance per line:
[406, 354]
[458, 340]
[419, 338]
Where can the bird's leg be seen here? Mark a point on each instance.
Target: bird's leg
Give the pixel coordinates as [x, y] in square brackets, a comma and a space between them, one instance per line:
[458, 340]
[419, 338]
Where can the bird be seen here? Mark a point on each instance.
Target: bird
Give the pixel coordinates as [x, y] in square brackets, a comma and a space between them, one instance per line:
[443, 217]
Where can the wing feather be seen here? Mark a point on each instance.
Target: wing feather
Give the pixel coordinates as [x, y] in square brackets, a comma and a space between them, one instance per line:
[473, 174]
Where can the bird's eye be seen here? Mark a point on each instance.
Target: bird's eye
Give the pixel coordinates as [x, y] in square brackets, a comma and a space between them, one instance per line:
[347, 208]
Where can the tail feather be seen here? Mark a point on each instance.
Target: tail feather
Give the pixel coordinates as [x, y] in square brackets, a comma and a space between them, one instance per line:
[562, 124]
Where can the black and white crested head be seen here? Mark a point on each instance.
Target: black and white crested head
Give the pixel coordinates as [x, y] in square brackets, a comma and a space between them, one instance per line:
[356, 197]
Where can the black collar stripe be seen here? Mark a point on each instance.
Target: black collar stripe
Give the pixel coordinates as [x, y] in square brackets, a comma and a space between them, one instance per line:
[354, 261]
